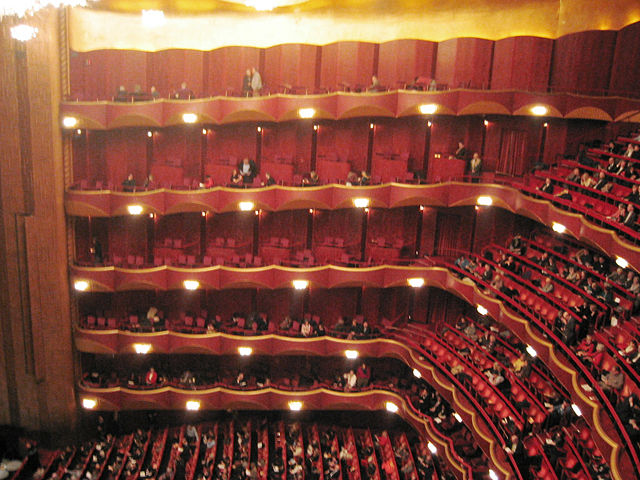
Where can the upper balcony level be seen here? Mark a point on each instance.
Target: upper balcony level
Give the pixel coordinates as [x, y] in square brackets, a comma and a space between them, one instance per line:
[598, 63]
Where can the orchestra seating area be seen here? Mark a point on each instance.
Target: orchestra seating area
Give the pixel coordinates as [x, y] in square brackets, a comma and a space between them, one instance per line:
[265, 448]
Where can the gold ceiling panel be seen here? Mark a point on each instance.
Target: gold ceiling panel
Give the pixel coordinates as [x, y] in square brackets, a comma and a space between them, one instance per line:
[209, 24]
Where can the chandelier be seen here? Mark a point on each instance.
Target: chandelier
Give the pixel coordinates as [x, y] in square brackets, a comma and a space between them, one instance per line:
[267, 5]
[21, 8]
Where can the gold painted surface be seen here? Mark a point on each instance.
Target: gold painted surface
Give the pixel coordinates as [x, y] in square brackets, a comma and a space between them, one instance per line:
[210, 24]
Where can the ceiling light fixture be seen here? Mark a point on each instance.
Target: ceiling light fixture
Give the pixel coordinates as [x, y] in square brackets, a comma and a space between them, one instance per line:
[415, 282]
[428, 109]
[134, 209]
[142, 348]
[300, 284]
[621, 262]
[361, 202]
[23, 33]
[69, 122]
[191, 284]
[153, 18]
[307, 112]
[245, 351]
[189, 117]
[539, 110]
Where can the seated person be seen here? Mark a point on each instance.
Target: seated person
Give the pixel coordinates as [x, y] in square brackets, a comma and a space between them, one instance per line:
[574, 176]
[184, 93]
[352, 179]
[311, 180]
[612, 166]
[151, 377]
[306, 329]
[375, 85]
[247, 168]
[547, 285]
[619, 214]
[516, 245]
[612, 381]
[547, 186]
[121, 94]
[268, 180]
[603, 184]
[236, 179]
[240, 381]
[208, 182]
[149, 182]
[365, 178]
[634, 195]
[129, 184]
[587, 181]
[630, 217]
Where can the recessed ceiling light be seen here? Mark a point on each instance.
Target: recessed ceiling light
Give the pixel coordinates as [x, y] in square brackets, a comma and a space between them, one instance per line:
[539, 110]
[245, 351]
[134, 209]
[307, 112]
[428, 109]
[142, 348]
[191, 284]
[484, 200]
[69, 122]
[391, 407]
[300, 284]
[189, 117]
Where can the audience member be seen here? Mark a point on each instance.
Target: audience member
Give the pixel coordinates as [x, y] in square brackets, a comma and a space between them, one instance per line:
[129, 184]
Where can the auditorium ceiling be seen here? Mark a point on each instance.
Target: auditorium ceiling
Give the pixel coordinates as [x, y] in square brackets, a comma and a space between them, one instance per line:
[208, 24]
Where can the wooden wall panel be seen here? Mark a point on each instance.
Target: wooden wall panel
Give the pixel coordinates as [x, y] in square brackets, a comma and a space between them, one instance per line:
[582, 62]
[625, 71]
[464, 62]
[227, 66]
[401, 61]
[291, 64]
[521, 63]
[347, 62]
[38, 370]
[169, 68]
